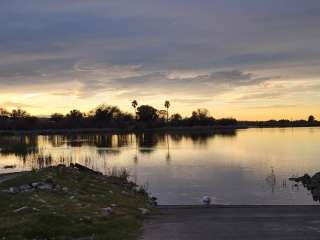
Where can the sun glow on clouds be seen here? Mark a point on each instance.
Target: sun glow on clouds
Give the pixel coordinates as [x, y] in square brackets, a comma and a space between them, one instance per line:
[260, 63]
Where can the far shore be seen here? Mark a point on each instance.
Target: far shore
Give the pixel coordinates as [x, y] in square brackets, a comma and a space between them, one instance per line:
[137, 130]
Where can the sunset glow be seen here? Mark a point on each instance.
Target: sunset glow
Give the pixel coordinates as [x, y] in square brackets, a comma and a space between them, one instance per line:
[259, 61]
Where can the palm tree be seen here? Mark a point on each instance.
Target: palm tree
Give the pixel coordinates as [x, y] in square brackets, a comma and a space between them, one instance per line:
[134, 104]
[167, 105]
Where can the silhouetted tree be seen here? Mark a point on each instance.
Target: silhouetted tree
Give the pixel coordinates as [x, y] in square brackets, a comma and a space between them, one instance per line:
[56, 117]
[4, 114]
[134, 104]
[19, 114]
[106, 113]
[167, 105]
[147, 113]
[75, 115]
[176, 119]
[201, 117]
[311, 118]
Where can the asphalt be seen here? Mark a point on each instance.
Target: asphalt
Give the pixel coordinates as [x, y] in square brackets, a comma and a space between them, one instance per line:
[233, 222]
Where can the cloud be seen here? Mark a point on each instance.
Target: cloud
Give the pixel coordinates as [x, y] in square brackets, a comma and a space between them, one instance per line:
[274, 106]
[190, 100]
[266, 95]
[128, 49]
[9, 104]
[275, 92]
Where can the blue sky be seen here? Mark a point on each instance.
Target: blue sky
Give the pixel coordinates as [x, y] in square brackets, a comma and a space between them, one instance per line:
[245, 59]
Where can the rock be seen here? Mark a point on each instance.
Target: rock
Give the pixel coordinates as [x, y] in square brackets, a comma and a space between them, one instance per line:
[14, 190]
[114, 205]
[25, 188]
[35, 184]
[24, 209]
[315, 193]
[125, 193]
[144, 211]
[311, 183]
[107, 211]
[86, 219]
[315, 181]
[65, 189]
[41, 200]
[305, 179]
[44, 186]
[206, 200]
[82, 168]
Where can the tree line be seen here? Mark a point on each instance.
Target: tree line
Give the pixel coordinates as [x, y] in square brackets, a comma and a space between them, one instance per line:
[108, 116]
[145, 116]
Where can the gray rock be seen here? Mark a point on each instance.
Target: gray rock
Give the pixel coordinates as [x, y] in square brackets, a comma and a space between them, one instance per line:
[41, 200]
[24, 209]
[25, 188]
[86, 219]
[35, 184]
[304, 179]
[125, 193]
[144, 211]
[106, 211]
[45, 186]
[14, 190]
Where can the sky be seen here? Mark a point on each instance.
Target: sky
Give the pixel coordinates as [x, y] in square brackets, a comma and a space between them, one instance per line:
[248, 59]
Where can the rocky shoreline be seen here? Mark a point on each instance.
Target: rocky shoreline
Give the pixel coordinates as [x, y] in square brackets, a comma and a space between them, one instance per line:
[40, 204]
[311, 183]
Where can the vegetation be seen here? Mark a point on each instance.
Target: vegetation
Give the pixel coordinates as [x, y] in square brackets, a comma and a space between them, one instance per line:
[85, 206]
[145, 116]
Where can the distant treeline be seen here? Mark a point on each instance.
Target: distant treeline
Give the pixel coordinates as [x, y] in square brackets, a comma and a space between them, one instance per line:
[310, 122]
[146, 116]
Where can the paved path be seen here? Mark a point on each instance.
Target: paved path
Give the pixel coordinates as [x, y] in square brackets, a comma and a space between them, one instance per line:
[233, 222]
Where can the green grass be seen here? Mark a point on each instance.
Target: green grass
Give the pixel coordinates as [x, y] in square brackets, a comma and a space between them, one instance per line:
[72, 214]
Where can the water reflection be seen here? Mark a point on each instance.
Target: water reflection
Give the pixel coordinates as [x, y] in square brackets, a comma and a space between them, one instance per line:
[271, 180]
[18, 145]
[232, 167]
[32, 150]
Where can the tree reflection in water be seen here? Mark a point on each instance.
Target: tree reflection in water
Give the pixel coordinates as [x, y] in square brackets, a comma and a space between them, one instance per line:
[37, 151]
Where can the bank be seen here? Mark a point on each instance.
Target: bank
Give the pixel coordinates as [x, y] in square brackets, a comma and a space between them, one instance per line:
[71, 203]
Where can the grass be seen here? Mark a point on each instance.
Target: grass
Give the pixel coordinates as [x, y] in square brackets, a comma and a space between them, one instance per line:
[75, 213]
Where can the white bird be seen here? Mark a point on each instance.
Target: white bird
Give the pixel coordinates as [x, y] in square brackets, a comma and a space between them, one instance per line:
[206, 200]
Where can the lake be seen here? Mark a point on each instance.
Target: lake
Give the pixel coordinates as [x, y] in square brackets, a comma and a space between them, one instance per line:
[248, 166]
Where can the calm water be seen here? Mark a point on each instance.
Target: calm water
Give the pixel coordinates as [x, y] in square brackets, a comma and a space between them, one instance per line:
[241, 167]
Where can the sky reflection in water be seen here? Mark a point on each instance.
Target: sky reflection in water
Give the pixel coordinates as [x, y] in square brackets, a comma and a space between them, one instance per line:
[234, 167]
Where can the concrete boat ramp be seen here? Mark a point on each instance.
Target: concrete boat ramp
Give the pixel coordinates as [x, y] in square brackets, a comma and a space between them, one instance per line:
[233, 222]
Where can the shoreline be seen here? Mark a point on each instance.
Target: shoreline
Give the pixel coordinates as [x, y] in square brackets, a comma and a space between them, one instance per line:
[77, 202]
[127, 131]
